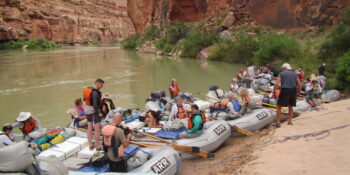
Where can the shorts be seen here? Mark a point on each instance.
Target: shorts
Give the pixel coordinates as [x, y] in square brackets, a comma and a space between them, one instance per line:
[310, 96]
[288, 97]
[93, 118]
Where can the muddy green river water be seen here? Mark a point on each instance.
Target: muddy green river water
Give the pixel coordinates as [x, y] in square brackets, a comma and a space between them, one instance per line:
[46, 83]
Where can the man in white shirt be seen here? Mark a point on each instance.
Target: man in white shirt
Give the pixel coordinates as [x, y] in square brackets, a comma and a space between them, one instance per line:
[178, 110]
[6, 136]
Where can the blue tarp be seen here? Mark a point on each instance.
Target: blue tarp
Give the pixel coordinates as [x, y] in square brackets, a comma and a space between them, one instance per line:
[130, 150]
[137, 116]
[170, 134]
[94, 169]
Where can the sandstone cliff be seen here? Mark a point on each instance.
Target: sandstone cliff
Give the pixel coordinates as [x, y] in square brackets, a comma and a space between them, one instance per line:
[106, 20]
[65, 20]
[275, 13]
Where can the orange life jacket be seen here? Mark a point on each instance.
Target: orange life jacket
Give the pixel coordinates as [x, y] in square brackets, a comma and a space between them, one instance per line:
[221, 104]
[29, 125]
[181, 112]
[176, 91]
[190, 120]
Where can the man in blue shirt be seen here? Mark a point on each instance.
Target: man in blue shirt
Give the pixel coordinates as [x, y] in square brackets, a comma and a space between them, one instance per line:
[288, 82]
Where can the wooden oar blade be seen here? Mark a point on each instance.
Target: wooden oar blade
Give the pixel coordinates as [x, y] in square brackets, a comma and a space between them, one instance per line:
[243, 131]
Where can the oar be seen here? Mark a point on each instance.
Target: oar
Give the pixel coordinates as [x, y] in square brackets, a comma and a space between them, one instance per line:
[243, 131]
[192, 149]
[266, 93]
[274, 106]
[201, 153]
[210, 97]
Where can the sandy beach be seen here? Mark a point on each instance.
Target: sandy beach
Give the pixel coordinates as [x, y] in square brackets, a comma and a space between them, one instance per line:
[325, 153]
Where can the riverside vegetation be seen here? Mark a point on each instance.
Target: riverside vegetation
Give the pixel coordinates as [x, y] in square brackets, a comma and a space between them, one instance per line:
[259, 45]
[37, 43]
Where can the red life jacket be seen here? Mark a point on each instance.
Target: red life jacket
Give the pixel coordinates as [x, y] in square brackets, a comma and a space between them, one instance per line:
[190, 120]
[181, 112]
[29, 125]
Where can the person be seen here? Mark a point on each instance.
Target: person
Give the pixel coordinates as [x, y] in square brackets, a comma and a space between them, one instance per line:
[272, 70]
[244, 102]
[154, 118]
[115, 141]
[178, 110]
[234, 85]
[6, 136]
[26, 123]
[78, 113]
[312, 90]
[248, 75]
[300, 73]
[95, 117]
[240, 76]
[322, 69]
[195, 123]
[233, 106]
[107, 104]
[290, 85]
[174, 88]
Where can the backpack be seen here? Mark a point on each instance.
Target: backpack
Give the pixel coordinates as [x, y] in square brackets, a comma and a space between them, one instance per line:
[87, 95]
[109, 139]
[236, 105]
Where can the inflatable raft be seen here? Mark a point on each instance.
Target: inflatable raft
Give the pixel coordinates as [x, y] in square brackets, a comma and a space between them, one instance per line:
[214, 135]
[164, 160]
[254, 121]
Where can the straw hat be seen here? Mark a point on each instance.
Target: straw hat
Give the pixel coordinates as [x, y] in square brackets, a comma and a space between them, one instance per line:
[107, 96]
[23, 116]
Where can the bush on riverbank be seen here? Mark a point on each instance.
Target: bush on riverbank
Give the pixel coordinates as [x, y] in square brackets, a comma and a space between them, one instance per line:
[191, 46]
[244, 46]
[38, 43]
[276, 47]
[338, 42]
[343, 71]
[132, 42]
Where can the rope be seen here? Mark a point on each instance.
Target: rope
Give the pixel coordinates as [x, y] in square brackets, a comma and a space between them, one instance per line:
[312, 134]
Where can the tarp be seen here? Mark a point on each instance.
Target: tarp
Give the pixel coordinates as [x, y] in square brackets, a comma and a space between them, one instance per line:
[170, 134]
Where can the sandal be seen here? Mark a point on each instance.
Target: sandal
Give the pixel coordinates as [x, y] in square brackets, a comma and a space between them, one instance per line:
[98, 149]
[290, 123]
[91, 147]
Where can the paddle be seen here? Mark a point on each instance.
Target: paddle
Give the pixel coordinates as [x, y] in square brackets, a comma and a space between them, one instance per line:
[242, 131]
[192, 149]
[201, 153]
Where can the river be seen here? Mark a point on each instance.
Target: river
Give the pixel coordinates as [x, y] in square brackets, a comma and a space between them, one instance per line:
[46, 83]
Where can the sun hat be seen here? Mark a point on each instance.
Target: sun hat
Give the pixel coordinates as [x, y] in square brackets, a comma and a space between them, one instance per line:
[23, 116]
[107, 96]
[287, 66]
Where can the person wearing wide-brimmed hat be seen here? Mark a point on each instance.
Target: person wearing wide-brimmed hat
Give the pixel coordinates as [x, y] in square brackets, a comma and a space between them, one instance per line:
[289, 84]
[26, 123]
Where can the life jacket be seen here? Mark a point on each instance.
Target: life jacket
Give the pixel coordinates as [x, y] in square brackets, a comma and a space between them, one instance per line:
[190, 123]
[87, 93]
[181, 112]
[222, 104]
[29, 125]
[109, 103]
[176, 90]
[109, 139]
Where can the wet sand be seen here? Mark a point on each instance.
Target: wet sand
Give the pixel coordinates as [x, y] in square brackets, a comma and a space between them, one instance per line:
[260, 154]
